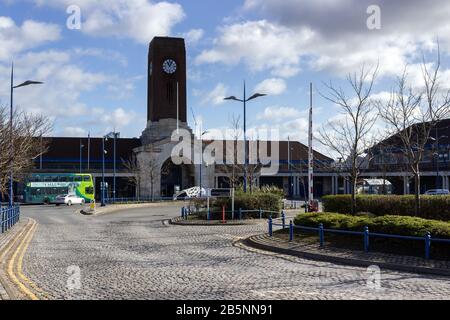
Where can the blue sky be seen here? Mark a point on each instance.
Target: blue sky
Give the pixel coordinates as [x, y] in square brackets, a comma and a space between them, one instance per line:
[95, 77]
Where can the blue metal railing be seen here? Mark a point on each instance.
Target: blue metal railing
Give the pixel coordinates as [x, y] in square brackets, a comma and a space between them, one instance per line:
[138, 200]
[365, 234]
[9, 216]
[239, 214]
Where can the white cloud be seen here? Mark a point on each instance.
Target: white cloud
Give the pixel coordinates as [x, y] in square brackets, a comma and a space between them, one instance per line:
[278, 114]
[15, 39]
[216, 96]
[140, 20]
[193, 36]
[272, 86]
[261, 45]
[118, 118]
[75, 132]
[293, 35]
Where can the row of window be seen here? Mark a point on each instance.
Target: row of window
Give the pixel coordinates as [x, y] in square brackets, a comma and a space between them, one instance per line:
[59, 179]
[56, 191]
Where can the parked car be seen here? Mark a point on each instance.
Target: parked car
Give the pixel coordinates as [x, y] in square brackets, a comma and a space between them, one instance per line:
[437, 192]
[68, 199]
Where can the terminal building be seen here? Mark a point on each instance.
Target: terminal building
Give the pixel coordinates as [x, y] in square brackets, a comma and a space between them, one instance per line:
[167, 112]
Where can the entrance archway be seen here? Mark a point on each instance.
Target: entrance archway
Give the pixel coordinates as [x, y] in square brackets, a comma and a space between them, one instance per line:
[176, 176]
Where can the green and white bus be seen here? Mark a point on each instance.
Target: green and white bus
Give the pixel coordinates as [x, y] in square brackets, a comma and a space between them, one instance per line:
[44, 187]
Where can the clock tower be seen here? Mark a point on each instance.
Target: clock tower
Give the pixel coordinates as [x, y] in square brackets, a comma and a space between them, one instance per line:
[166, 95]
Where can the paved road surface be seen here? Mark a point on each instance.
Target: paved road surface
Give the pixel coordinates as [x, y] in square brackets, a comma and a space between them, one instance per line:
[133, 255]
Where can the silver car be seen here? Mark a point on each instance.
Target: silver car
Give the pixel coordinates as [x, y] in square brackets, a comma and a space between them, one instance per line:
[437, 192]
[68, 199]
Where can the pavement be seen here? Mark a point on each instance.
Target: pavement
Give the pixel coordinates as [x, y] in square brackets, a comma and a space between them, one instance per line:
[136, 254]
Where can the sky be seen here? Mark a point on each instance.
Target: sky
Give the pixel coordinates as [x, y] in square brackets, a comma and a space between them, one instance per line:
[96, 75]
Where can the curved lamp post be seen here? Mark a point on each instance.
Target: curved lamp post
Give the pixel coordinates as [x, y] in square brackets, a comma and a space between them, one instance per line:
[24, 84]
[244, 100]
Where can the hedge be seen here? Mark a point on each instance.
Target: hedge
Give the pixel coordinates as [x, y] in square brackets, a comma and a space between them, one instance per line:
[432, 207]
[388, 224]
[259, 199]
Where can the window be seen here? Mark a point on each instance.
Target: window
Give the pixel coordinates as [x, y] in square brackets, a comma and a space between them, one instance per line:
[64, 179]
[89, 190]
[170, 92]
[77, 179]
[86, 178]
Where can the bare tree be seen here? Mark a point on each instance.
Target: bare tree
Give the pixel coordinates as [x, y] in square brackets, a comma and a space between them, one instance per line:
[132, 167]
[151, 170]
[349, 137]
[148, 168]
[412, 113]
[20, 144]
[233, 170]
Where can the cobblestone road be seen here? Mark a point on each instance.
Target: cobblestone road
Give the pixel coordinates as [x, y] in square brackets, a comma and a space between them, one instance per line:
[133, 255]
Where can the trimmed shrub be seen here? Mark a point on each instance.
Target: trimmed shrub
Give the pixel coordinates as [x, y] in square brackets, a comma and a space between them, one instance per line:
[259, 199]
[432, 207]
[388, 224]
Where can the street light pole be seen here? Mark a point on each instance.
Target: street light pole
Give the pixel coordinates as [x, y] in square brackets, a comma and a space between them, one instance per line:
[11, 178]
[114, 168]
[244, 101]
[103, 173]
[81, 156]
[245, 142]
[201, 158]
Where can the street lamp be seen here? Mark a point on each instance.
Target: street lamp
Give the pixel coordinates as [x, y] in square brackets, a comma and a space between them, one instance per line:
[437, 154]
[102, 189]
[24, 84]
[81, 155]
[114, 135]
[201, 158]
[291, 182]
[244, 100]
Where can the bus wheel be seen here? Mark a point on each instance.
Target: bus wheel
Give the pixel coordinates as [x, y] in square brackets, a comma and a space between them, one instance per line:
[46, 201]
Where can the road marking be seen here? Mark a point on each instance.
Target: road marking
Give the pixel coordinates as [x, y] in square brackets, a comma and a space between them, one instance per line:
[20, 264]
[14, 240]
[14, 269]
[10, 269]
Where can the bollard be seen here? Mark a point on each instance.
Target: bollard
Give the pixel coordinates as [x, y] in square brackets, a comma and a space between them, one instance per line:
[321, 235]
[270, 226]
[291, 231]
[366, 239]
[223, 214]
[240, 213]
[209, 214]
[283, 219]
[182, 212]
[260, 213]
[427, 245]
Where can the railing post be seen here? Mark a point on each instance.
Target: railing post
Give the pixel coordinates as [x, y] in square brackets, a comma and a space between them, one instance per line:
[270, 226]
[2, 219]
[182, 212]
[427, 245]
[321, 235]
[291, 231]
[223, 214]
[283, 219]
[260, 213]
[8, 225]
[240, 213]
[366, 239]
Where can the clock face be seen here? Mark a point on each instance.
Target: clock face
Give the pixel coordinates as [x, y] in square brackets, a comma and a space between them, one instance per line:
[169, 66]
